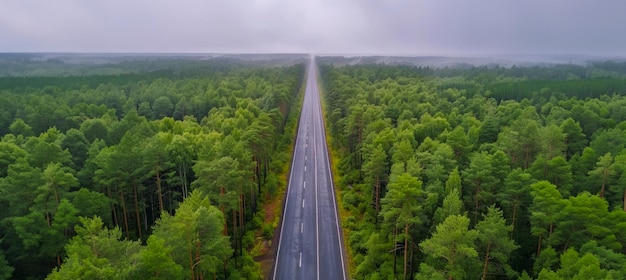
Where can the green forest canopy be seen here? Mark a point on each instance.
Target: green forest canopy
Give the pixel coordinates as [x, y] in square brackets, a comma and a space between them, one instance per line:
[156, 170]
[523, 169]
[481, 171]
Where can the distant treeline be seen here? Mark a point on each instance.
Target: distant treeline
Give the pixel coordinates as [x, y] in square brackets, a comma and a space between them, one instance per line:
[587, 88]
[25, 83]
[63, 65]
[508, 83]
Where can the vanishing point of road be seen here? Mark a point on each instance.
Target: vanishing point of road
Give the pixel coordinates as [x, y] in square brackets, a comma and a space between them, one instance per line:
[310, 245]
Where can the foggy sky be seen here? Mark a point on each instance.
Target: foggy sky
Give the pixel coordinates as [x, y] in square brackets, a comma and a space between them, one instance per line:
[421, 27]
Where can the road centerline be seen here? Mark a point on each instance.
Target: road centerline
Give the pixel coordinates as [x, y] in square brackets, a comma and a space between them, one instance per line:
[296, 257]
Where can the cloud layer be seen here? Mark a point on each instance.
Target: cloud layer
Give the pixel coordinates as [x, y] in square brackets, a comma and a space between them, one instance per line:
[442, 27]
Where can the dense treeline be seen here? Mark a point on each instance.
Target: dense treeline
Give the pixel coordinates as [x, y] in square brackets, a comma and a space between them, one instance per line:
[137, 176]
[445, 179]
[100, 64]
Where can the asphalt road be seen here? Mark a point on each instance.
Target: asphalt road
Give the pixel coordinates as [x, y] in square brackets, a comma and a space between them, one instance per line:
[310, 244]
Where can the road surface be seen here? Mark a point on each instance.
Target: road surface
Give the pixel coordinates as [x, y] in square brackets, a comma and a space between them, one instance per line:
[310, 244]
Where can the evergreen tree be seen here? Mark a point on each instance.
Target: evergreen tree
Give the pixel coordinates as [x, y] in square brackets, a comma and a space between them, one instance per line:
[494, 243]
[453, 243]
[401, 208]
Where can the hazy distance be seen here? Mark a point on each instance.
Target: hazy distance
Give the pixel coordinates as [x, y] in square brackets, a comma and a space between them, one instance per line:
[402, 27]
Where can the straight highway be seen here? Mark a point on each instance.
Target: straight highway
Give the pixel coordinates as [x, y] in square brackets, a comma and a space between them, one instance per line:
[310, 245]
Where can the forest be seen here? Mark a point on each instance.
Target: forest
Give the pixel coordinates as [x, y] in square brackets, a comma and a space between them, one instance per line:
[141, 167]
[480, 172]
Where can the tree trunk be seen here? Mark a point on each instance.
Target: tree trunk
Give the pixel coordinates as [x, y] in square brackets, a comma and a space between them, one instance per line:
[191, 259]
[406, 246]
[223, 213]
[124, 212]
[56, 195]
[257, 171]
[451, 261]
[411, 276]
[137, 215]
[182, 174]
[48, 218]
[624, 200]
[235, 234]
[158, 182]
[224, 268]
[395, 254]
[357, 152]
[253, 199]
[513, 219]
[605, 174]
[200, 274]
[112, 207]
[539, 246]
[265, 167]
[551, 229]
[476, 202]
[376, 198]
[527, 157]
[145, 220]
[486, 262]
[241, 222]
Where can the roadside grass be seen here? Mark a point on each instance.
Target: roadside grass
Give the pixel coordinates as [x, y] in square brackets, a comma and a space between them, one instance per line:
[266, 236]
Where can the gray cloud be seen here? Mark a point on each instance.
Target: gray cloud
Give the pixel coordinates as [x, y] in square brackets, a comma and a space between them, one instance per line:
[322, 26]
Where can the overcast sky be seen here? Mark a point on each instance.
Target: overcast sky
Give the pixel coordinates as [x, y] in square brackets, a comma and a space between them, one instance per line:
[426, 27]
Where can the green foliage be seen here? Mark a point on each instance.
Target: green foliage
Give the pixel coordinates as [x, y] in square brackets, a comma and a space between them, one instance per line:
[574, 266]
[587, 220]
[533, 141]
[195, 230]
[90, 203]
[19, 127]
[453, 243]
[546, 261]
[494, 243]
[97, 253]
[479, 183]
[124, 147]
[417, 147]
[545, 212]
[155, 262]
[401, 203]
[452, 205]
[5, 269]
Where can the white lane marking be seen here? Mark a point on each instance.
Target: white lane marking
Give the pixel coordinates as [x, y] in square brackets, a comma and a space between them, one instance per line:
[300, 263]
[305, 168]
[304, 184]
[303, 203]
[305, 157]
[301, 227]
